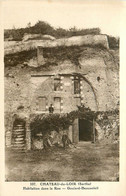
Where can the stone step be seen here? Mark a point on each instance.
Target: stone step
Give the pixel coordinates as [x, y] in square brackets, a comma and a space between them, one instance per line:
[19, 125]
[18, 148]
[19, 139]
[19, 144]
[20, 136]
[17, 134]
[18, 130]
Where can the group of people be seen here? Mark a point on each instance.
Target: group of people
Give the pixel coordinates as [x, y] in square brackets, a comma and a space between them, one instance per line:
[48, 137]
[47, 141]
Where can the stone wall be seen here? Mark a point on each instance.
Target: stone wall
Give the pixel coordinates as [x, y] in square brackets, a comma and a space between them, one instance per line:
[46, 89]
[108, 128]
[99, 85]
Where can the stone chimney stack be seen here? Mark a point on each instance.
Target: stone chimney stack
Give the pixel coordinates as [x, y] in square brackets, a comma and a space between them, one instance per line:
[40, 58]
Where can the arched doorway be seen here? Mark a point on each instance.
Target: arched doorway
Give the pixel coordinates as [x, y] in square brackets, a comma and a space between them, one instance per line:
[85, 130]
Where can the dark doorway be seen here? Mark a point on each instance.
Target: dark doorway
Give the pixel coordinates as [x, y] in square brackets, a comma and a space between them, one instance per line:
[85, 130]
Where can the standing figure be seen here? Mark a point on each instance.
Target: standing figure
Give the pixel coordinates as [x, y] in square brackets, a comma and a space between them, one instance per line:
[66, 141]
[51, 109]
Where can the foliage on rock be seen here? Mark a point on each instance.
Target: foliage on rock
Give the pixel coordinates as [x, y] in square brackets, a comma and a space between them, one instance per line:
[19, 58]
[44, 28]
[62, 53]
[57, 122]
[113, 42]
[58, 54]
[47, 123]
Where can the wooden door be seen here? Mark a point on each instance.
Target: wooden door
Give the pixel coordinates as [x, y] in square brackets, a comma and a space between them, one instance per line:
[75, 131]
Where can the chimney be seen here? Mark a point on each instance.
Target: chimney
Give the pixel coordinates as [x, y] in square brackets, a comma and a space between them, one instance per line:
[40, 58]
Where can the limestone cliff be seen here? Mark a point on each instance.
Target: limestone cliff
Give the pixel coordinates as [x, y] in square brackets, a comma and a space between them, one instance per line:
[91, 59]
[14, 47]
[98, 66]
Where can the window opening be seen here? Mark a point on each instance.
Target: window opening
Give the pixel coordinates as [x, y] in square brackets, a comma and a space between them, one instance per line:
[57, 104]
[57, 84]
[42, 103]
[76, 85]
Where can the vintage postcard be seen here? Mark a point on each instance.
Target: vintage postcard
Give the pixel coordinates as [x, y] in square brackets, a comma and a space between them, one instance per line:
[62, 81]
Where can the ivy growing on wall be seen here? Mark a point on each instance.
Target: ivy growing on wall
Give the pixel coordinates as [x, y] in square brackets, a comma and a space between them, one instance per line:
[47, 123]
[58, 122]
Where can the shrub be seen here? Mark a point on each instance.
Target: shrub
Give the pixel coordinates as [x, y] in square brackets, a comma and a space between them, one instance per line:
[43, 28]
[19, 57]
[113, 42]
[47, 123]
[58, 122]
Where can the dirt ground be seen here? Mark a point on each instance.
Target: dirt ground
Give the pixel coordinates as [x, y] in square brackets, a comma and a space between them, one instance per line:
[86, 162]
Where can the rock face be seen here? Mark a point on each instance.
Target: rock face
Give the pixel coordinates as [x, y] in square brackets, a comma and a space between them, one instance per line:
[26, 84]
[37, 37]
[98, 68]
[90, 40]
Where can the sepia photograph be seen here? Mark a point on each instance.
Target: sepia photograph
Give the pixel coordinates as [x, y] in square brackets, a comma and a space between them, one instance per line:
[61, 91]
